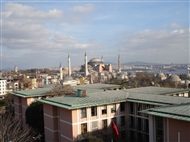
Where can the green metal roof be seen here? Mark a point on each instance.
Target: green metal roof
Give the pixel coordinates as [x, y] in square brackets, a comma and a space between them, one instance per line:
[146, 102]
[157, 90]
[41, 91]
[162, 99]
[92, 99]
[100, 94]
[112, 96]
[180, 112]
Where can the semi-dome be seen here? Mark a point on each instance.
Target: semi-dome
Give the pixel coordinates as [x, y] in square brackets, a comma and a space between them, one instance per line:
[174, 77]
[188, 75]
[160, 74]
[95, 61]
[122, 75]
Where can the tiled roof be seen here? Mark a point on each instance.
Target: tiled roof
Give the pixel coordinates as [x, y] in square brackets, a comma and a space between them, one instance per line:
[181, 112]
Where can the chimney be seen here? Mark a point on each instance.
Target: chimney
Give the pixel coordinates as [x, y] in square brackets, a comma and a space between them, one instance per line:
[84, 93]
[81, 93]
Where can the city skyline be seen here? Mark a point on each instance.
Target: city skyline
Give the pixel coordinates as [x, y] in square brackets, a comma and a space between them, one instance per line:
[42, 34]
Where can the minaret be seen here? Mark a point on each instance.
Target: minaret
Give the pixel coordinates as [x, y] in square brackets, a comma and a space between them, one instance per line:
[102, 59]
[69, 66]
[119, 64]
[86, 65]
[15, 69]
[60, 71]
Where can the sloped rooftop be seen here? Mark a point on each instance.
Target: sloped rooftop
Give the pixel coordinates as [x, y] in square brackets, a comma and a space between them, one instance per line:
[102, 97]
[41, 91]
[92, 99]
[157, 90]
[180, 112]
[156, 98]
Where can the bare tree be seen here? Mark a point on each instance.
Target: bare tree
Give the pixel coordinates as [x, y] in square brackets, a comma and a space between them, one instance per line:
[12, 130]
[60, 90]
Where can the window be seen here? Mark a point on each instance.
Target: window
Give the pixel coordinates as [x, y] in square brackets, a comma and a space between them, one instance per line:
[83, 112]
[94, 111]
[139, 124]
[83, 128]
[159, 129]
[146, 126]
[122, 106]
[104, 110]
[123, 135]
[113, 108]
[94, 125]
[122, 120]
[132, 122]
[104, 124]
[131, 108]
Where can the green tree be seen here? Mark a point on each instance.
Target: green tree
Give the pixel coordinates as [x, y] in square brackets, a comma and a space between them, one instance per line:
[34, 116]
[9, 102]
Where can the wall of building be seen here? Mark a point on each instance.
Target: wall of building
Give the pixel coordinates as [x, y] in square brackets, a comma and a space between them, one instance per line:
[65, 125]
[177, 130]
[20, 106]
[138, 126]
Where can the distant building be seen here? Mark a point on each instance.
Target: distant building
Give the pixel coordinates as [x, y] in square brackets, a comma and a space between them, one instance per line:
[15, 69]
[3, 87]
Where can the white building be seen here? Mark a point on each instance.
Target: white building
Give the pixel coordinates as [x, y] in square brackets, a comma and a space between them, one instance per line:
[3, 84]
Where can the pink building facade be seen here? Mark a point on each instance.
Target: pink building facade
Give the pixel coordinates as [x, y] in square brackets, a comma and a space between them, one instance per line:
[68, 125]
[136, 112]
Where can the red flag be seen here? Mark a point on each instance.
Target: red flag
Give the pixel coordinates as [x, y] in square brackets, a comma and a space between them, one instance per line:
[115, 130]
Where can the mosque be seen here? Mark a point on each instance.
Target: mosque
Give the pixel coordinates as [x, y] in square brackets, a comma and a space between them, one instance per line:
[92, 71]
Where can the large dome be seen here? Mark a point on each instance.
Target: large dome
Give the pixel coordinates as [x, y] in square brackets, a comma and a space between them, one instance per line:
[95, 61]
[174, 77]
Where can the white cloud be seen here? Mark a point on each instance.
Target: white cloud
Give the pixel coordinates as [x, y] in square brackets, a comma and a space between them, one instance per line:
[180, 31]
[83, 8]
[61, 38]
[13, 11]
[156, 46]
[84, 46]
[175, 25]
[23, 27]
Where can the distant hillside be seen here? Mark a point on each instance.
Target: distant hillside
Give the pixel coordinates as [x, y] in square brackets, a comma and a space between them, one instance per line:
[135, 63]
[7, 69]
[139, 63]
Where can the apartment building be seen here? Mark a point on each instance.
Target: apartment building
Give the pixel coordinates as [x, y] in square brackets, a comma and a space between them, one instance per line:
[3, 88]
[94, 106]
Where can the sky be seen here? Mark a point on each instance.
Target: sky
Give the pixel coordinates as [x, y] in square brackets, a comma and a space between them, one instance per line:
[41, 34]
